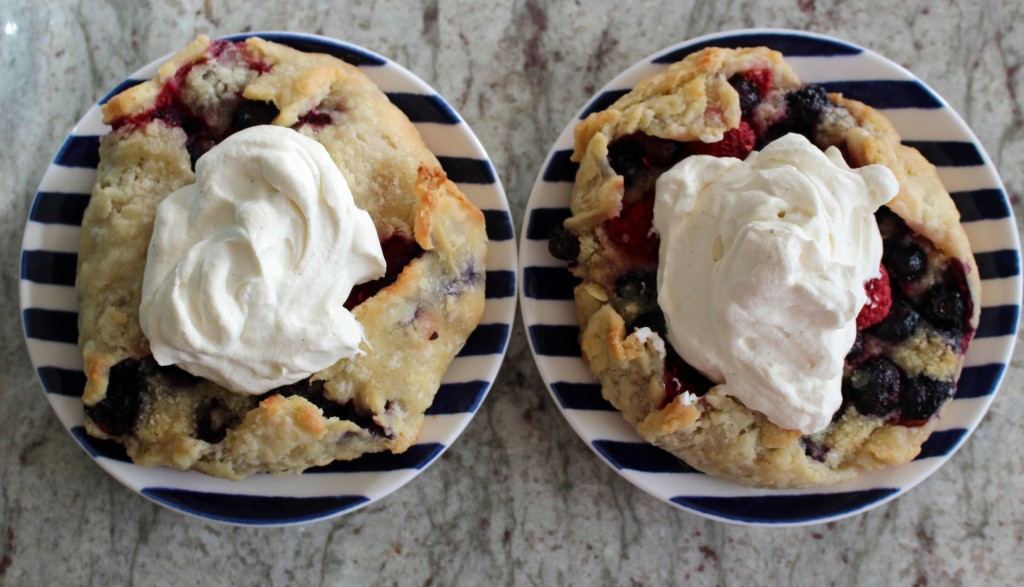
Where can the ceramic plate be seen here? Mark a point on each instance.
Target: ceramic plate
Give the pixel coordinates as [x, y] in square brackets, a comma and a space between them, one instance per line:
[49, 313]
[926, 122]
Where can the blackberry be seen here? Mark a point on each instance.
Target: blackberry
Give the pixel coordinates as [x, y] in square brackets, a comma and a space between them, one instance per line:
[117, 412]
[944, 306]
[748, 93]
[213, 420]
[905, 260]
[660, 152]
[899, 324]
[179, 377]
[655, 321]
[253, 113]
[921, 397]
[874, 387]
[626, 156]
[856, 349]
[807, 104]
[563, 245]
[637, 286]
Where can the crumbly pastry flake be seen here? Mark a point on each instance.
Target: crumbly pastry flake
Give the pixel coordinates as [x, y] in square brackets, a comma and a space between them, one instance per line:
[420, 313]
[726, 102]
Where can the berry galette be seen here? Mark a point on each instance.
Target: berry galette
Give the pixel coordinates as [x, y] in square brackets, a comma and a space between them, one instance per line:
[918, 311]
[414, 318]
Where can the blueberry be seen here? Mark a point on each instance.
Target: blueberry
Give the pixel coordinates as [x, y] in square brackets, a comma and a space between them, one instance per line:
[904, 259]
[815, 450]
[654, 320]
[921, 397]
[563, 244]
[213, 420]
[117, 412]
[637, 286]
[747, 90]
[626, 156]
[899, 324]
[944, 306]
[253, 113]
[874, 387]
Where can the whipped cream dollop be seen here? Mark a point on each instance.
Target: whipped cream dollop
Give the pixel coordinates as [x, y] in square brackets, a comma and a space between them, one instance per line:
[762, 270]
[249, 267]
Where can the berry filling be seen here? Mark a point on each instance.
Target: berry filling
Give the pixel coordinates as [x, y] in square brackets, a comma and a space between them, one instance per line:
[399, 251]
[920, 298]
[181, 104]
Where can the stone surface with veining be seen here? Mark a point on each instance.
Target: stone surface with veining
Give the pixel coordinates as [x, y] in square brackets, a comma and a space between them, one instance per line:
[518, 499]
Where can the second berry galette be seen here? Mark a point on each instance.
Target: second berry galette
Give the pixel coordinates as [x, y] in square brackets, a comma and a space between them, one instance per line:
[773, 288]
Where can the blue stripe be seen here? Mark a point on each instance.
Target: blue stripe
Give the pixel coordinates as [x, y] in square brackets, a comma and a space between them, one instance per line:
[941, 443]
[887, 93]
[252, 509]
[997, 321]
[602, 102]
[580, 396]
[988, 204]
[416, 457]
[97, 447]
[641, 456]
[468, 170]
[561, 168]
[555, 341]
[59, 208]
[62, 381]
[787, 43]
[997, 264]
[458, 398]
[500, 284]
[779, 509]
[52, 325]
[424, 108]
[544, 221]
[487, 339]
[948, 153]
[79, 151]
[49, 267]
[499, 225]
[128, 83]
[347, 53]
[549, 283]
[979, 380]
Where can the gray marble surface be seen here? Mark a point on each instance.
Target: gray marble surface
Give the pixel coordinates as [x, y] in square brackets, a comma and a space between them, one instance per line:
[518, 499]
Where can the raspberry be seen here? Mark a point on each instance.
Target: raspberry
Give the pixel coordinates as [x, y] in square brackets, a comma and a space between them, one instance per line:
[738, 142]
[762, 78]
[630, 231]
[879, 301]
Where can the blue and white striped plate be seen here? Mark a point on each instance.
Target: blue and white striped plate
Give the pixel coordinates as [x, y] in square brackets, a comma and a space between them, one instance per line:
[926, 122]
[49, 314]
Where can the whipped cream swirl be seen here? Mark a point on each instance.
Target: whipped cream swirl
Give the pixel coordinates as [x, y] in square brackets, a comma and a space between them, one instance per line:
[762, 270]
[249, 267]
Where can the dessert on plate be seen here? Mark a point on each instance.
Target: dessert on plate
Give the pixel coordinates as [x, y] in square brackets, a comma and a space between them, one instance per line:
[773, 288]
[274, 271]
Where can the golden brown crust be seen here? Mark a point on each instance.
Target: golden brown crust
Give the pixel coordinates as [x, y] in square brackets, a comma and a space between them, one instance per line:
[422, 319]
[692, 100]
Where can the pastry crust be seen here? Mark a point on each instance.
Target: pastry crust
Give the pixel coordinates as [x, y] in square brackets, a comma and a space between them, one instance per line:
[370, 403]
[693, 100]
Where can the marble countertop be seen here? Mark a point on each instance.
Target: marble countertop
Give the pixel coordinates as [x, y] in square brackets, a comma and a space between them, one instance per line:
[518, 499]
